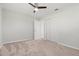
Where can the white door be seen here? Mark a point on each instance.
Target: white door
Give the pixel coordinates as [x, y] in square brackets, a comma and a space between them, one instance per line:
[38, 30]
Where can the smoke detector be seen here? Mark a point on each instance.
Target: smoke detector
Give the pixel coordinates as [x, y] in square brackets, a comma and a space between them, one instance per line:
[56, 9]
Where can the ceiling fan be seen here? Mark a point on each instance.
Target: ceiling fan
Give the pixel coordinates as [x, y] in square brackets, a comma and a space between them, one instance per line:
[37, 7]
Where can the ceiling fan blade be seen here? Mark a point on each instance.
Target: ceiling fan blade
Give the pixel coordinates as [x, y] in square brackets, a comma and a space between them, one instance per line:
[32, 5]
[42, 7]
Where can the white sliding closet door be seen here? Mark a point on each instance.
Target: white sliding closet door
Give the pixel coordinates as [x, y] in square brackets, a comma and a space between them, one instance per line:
[0, 25]
[38, 29]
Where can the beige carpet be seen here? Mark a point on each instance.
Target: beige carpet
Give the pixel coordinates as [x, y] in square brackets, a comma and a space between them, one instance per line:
[37, 48]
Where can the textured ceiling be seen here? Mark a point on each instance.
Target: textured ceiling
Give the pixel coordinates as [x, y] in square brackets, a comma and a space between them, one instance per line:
[26, 8]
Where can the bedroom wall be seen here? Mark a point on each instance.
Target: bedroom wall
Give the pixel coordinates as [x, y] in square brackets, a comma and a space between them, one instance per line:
[63, 27]
[0, 24]
[16, 26]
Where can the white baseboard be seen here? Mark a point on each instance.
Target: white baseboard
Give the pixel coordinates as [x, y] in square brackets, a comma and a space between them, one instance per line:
[68, 46]
[16, 41]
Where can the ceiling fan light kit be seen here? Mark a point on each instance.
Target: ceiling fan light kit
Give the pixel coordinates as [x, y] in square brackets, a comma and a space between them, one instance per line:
[36, 9]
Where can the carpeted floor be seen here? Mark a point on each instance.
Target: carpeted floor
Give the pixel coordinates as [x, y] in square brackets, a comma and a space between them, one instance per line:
[37, 48]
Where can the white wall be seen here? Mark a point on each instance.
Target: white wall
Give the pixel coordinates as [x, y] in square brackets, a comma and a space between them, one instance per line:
[16, 26]
[63, 27]
[0, 25]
